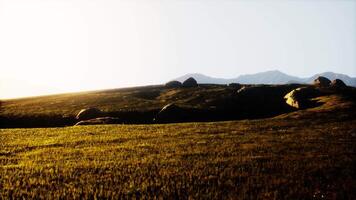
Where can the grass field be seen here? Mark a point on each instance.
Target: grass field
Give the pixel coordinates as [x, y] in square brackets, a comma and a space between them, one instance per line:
[135, 98]
[256, 159]
[304, 154]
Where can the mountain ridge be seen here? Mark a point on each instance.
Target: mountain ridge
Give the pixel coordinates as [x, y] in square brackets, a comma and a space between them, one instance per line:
[267, 77]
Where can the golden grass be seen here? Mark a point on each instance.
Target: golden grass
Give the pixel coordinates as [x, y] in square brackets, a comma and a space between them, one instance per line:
[264, 159]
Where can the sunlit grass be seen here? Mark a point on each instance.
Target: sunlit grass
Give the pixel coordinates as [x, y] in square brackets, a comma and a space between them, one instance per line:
[268, 159]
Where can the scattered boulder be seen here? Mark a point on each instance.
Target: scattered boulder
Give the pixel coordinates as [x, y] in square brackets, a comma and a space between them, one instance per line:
[338, 84]
[322, 81]
[170, 113]
[173, 84]
[300, 97]
[89, 113]
[190, 82]
[100, 120]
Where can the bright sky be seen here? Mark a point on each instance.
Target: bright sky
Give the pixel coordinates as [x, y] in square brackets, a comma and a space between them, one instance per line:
[51, 46]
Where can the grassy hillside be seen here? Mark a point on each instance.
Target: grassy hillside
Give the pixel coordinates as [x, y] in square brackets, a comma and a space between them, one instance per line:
[139, 98]
[265, 159]
[304, 154]
[141, 104]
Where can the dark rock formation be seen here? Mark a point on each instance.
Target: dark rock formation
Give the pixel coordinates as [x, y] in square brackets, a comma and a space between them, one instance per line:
[338, 84]
[235, 85]
[190, 82]
[322, 81]
[173, 84]
[89, 113]
[100, 120]
[300, 97]
[171, 113]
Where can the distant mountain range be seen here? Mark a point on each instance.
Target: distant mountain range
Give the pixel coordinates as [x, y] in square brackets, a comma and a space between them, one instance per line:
[268, 77]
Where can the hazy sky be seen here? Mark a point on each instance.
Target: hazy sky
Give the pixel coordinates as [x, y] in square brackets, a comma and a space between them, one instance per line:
[50, 46]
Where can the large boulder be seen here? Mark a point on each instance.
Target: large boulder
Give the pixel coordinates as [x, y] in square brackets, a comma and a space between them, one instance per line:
[100, 120]
[300, 97]
[89, 113]
[190, 82]
[322, 81]
[338, 84]
[235, 85]
[173, 84]
[259, 101]
[170, 113]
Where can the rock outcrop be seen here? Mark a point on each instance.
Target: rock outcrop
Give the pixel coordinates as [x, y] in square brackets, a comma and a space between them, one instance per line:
[300, 97]
[190, 82]
[100, 120]
[322, 81]
[170, 113]
[89, 113]
[235, 85]
[338, 84]
[173, 84]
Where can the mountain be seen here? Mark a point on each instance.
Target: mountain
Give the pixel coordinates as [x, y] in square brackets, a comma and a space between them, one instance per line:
[268, 77]
[201, 78]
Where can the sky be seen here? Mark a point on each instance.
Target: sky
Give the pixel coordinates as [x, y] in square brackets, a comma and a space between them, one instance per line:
[56, 46]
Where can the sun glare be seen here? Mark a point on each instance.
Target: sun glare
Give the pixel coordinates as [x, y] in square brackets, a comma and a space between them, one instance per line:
[57, 46]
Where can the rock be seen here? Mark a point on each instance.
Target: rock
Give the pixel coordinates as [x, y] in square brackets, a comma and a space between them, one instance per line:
[170, 113]
[338, 84]
[190, 82]
[89, 113]
[173, 84]
[100, 120]
[321, 81]
[245, 89]
[235, 85]
[300, 97]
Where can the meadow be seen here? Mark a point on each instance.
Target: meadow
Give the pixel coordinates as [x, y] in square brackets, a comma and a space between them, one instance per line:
[299, 154]
[249, 159]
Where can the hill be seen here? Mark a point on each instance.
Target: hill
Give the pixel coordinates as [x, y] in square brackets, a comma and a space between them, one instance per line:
[268, 77]
[301, 155]
[141, 105]
[272, 152]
